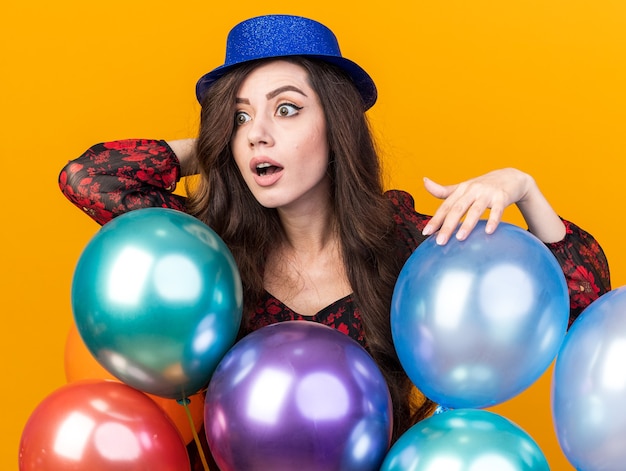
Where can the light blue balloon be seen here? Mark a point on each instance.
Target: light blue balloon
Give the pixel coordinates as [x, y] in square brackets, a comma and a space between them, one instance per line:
[157, 299]
[476, 322]
[465, 440]
[589, 387]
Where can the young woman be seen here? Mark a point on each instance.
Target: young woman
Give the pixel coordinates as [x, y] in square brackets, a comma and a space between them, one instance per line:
[291, 181]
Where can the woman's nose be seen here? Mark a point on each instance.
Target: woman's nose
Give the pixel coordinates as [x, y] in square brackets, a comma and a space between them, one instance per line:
[259, 132]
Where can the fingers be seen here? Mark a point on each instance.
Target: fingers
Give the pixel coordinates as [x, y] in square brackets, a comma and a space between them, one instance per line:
[462, 209]
[496, 208]
[441, 218]
[472, 217]
[460, 219]
[437, 190]
[495, 216]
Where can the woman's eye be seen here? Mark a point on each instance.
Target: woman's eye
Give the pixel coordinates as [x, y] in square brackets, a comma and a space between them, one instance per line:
[287, 109]
[241, 118]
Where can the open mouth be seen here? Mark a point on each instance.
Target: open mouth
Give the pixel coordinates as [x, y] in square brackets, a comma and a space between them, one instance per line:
[267, 169]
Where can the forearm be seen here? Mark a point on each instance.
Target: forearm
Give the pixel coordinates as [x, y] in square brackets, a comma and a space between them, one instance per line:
[542, 220]
[185, 150]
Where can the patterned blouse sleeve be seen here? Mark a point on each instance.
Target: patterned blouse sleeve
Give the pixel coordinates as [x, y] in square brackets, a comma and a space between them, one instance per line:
[585, 266]
[112, 178]
[581, 257]
[409, 223]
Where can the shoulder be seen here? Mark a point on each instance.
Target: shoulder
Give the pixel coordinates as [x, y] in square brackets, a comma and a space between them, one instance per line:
[403, 205]
[409, 222]
[400, 199]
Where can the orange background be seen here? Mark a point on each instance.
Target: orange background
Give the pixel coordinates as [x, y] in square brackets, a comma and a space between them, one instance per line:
[464, 86]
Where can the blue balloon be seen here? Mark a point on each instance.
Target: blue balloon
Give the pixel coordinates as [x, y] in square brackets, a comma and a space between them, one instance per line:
[298, 395]
[476, 322]
[157, 299]
[465, 440]
[589, 387]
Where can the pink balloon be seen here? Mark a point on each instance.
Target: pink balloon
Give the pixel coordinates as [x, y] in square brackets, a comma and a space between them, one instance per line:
[100, 426]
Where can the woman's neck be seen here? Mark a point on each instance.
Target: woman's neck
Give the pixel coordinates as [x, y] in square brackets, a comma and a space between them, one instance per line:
[309, 232]
[306, 271]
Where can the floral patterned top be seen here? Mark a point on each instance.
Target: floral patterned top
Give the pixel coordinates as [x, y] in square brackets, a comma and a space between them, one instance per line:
[112, 178]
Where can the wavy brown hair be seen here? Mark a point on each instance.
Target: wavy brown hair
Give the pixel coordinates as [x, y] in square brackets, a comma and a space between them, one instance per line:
[362, 213]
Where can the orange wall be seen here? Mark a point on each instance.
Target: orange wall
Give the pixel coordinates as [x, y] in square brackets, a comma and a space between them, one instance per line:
[465, 87]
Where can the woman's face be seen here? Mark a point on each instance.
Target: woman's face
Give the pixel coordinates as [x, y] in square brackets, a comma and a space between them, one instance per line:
[280, 144]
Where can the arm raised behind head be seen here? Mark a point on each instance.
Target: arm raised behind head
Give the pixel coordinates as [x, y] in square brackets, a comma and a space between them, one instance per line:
[112, 178]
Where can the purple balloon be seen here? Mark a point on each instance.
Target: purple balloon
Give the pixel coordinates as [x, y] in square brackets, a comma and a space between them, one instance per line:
[298, 395]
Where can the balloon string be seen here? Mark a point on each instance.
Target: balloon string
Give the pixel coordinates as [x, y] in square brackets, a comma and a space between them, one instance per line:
[185, 403]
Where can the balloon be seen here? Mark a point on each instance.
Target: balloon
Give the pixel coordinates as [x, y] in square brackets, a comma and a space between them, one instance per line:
[465, 440]
[298, 395]
[100, 426]
[589, 386]
[80, 365]
[476, 322]
[157, 299]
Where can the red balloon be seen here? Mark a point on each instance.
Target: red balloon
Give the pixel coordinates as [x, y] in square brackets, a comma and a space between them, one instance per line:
[80, 364]
[100, 426]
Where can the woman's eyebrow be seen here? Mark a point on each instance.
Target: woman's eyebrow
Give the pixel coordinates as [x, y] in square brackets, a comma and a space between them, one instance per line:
[285, 88]
[274, 93]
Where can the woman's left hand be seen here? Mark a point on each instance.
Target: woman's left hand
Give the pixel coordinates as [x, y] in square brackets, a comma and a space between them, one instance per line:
[465, 203]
